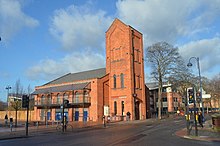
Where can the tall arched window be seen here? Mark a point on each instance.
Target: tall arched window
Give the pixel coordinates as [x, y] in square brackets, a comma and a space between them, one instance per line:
[76, 99]
[85, 95]
[49, 99]
[58, 99]
[114, 80]
[65, 96]
[122, 80]
[42, 100]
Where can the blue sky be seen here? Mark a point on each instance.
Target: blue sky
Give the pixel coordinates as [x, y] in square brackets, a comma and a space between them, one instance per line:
[45, 39]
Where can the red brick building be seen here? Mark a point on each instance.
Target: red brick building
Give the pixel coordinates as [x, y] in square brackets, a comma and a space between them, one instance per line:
[171, 100]
[112, 91]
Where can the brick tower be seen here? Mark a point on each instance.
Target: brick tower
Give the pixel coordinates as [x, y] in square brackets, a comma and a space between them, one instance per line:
[125, 66]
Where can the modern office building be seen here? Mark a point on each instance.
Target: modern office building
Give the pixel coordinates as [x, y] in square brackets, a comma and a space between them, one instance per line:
[171, 99]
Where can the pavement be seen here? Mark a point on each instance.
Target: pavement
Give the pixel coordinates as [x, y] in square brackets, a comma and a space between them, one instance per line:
[205, 134]
[20, 132]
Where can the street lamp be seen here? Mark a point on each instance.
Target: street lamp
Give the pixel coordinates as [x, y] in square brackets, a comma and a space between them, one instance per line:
[200, 81]
[8, 88]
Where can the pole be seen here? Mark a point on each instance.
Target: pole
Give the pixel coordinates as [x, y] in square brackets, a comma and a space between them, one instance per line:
[200, 82]
[194, 102]
[63, 116]
[27, 115]
[133, 67]
[187, 114]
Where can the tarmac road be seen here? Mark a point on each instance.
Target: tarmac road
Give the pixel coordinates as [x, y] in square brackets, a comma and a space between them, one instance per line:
[146, 133]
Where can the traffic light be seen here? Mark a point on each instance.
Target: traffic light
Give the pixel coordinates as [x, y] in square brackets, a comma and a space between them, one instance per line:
[190, 95]
[25, 101]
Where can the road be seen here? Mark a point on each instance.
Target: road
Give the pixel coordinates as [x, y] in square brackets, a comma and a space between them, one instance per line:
[146, 133]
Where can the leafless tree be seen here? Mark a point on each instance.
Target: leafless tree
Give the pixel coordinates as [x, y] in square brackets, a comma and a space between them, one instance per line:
[165, 61]
[213, 87]
[16, 104]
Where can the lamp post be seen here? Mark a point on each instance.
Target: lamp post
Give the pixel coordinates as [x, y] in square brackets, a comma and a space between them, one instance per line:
[8, 88]
[200, 81]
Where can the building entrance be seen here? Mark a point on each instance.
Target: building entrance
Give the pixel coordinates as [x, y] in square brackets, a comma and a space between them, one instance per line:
[137, 110]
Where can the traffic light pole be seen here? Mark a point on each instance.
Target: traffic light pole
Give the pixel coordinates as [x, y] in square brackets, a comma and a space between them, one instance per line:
[187, 114]
[27, 117]
[194, 103]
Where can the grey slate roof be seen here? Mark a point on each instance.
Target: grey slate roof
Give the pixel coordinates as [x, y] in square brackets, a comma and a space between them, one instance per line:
[62, 88]
[91, 74]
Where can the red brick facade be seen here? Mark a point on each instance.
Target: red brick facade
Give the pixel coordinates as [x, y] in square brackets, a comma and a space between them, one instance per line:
[120, 90]
[124, 57]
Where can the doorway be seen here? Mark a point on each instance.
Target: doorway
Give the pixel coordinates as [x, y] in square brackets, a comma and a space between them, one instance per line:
[137, 110]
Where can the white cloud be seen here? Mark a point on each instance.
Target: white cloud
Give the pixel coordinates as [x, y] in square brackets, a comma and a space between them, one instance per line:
[167, 20]
[208, 51]
[189, 23]
[75, 62]
[79, 27]
[13, 19]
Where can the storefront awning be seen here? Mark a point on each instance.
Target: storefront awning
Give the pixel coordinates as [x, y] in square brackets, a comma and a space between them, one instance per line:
[63, 88]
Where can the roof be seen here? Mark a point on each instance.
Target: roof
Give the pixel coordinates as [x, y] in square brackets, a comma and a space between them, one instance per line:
[119, 21]
[62, 88]
[71, 77]
[154, 85]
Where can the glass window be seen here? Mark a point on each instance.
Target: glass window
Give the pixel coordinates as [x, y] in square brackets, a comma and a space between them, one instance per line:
[42, 99]
[122, 80]
[114, 78]
[58, 99]
[65, 96]
[85, 94]
[76, 99]
[164, 90]
[175, 99]
[164, 99]
[115, 108]
[49, 99]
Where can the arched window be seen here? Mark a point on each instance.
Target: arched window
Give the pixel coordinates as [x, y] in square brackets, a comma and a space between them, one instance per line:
[122, 80]
[42, 100]
[58, 99]
[49, 99]
[76, 99]
[65, 96]
[85, 95]
[114, 80]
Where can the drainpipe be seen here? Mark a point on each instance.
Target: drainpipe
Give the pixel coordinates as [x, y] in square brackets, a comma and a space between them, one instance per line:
[133, 67]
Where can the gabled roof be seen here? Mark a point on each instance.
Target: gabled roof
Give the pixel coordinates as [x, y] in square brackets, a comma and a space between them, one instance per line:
[71, 77]
[118, 21]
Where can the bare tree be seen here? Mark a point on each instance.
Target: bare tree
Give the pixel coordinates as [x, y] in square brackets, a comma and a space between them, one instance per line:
[165, 61]
[213, 87]
[16, 104]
